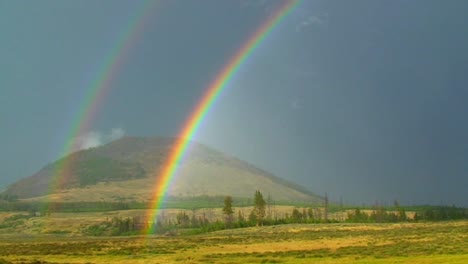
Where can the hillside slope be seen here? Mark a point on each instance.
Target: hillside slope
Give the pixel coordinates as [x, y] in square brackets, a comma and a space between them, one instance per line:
[127, 169]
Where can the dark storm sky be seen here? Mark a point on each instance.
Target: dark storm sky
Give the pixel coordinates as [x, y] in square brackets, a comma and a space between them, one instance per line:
[366, 100]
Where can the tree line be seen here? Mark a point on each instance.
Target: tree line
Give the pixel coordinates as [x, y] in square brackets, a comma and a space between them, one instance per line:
[261, 214]
[44, 208]
[11, 203]
[258, 216]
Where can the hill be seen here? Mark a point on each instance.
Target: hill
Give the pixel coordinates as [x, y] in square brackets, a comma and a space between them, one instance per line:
[126, 170]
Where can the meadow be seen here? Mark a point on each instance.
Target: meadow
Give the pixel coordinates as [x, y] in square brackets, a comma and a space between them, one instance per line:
[421, 242]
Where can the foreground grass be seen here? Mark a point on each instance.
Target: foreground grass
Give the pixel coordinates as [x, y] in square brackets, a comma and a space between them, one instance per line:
[444, 242]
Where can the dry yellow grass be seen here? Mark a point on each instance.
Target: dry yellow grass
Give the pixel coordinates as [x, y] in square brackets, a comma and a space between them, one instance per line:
[444, 242]
[57, 239]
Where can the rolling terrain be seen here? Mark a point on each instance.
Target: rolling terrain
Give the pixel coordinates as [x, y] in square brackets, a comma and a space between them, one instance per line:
[127, 170]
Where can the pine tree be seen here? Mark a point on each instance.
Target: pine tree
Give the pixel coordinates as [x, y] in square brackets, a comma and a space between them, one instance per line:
[240, 217]
[259, 207]
[296, 216]
[325, 210]
[227, 211]
[310, 214]
[402, 215]
[269, 201]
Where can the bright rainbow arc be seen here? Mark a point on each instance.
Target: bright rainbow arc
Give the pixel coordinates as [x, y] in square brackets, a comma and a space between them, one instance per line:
[99, 88]
[206, 103]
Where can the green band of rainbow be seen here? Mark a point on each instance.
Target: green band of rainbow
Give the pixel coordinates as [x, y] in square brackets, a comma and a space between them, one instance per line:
[97, 90]
[213, 91]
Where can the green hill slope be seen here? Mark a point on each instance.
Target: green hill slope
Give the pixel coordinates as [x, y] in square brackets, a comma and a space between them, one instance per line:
[128, 168]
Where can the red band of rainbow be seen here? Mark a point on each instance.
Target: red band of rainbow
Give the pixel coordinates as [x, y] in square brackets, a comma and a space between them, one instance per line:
[97, 90]
[165, 176]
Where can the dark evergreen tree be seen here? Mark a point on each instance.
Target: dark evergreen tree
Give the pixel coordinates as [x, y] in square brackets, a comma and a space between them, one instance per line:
[259, 207]
[227, 211]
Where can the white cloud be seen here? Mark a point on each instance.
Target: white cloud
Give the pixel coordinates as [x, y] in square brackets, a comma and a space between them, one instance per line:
[94, 139]
[311, 20]
[89, 140]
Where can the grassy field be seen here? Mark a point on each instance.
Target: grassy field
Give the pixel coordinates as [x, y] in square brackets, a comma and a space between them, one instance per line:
[441, 242]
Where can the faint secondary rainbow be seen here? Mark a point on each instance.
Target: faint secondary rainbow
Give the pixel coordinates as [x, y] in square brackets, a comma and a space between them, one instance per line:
[98, 88]
[206, 103]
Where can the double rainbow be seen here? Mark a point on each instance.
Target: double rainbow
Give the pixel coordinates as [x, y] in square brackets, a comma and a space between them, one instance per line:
[165, 176]
[97, 90]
